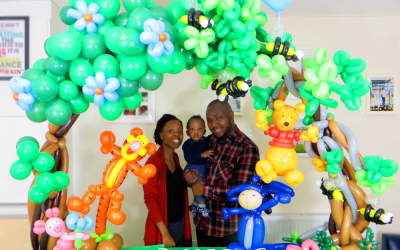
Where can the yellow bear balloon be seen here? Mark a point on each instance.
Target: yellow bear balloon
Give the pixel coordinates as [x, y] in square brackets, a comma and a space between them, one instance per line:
[281, 158]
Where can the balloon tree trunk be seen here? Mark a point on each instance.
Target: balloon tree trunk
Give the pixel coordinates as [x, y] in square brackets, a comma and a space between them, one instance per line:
[57, 147]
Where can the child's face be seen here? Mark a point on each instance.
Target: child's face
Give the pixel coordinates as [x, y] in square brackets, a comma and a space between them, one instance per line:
[196, 130]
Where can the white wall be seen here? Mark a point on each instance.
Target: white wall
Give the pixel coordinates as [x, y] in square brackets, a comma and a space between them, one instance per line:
[374, 39]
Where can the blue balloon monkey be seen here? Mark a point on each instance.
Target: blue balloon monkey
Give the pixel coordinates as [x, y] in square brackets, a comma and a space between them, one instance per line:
[254, 199]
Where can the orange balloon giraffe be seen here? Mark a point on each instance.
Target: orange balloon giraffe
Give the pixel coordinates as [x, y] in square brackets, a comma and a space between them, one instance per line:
[135, 148]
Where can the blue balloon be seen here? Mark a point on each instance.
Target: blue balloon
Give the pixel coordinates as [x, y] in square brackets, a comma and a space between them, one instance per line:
[71, 220]
[81, 224]
[277, 5]
[89, 222]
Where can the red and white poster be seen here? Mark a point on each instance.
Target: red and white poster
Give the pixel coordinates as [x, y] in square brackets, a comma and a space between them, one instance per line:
[14, 46]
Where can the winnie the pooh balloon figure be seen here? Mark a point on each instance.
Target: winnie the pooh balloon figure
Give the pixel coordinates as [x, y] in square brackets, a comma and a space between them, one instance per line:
[281, 158]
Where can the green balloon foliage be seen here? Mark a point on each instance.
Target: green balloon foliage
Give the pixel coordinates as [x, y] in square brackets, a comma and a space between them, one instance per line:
[32, 74]
[62, 180]
[179, 28]
[104, 28]
[58, 112]
[107, 64]
[346, 66]
[160, 13]
[79, 70]
[45, 88]
[66, 46]
[274, 69]
[38, 64]
[48, 47]
[261, 96]
[109, 8]
[20, 170]
[127, 42]
[37, 196]
[93, 46]
[169, 28]
[37, 113]
[138, 17]
[64, 16]
[28, 151]
[162, 64]
[131, 5]
[112, 110]
[68, 90]
[179, 61]
[43, 163]
[176, 11]
[57, 79]
[132, 102]
[58, 66]
[78, 34]
[46, 182]
[127, 87]
[27, 138]
[151, 80]
[110, 38]
[121, 19]
[80, 104]
[133, 68]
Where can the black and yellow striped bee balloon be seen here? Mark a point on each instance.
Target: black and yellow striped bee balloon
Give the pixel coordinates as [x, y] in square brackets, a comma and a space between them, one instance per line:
[238, 87]
[197, 19]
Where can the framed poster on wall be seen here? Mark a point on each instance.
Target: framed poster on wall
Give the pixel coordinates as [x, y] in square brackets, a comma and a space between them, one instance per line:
[381, 99]
[14, 46]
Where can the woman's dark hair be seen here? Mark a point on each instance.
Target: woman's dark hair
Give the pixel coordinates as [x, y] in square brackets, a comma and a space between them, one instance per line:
[195, 117]
[160, 126]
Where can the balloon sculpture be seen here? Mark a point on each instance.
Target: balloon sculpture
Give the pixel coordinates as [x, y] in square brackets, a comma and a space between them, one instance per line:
[135, 148]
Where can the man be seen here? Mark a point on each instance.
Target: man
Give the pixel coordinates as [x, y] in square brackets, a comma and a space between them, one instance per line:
[233, 163]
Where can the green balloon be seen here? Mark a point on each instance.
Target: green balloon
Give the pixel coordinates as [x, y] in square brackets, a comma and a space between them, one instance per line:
[72, 2]
[46, 182]
[131, 5]
[179, 61]
[104, 28]
[58, 79]
[133, 67]
[89, 98]
[48, 47]
[92, 46]
[79, 105]
[28, 151]
[110, 38]
[127, 42]
[32, 74]
[64, 16]
[132, 102]
[38, 64]
[62, 180]
[68, 90]
[28, 138]
[107, 64]
[162, 64]
[138, 17]
[45, 88]
[43, 163]
[179, 28]
[108, 8]
[78, 34]
[160, 13]
[151, 80]
[112, 110]
[20, 170]
[122, 19]
[169, 28]
[127, 87]
[176, 11]
[58, 112]
[58, 66]
[151, 3]
[79, 70]
[66, 46]
[37, 196]
[37, 114]
[45, 65]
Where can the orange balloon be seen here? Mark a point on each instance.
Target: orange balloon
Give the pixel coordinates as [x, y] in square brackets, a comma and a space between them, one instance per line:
[118, 240]
[89, 198]
[92, 188]
[101, 189]
[107, 138]
[143, 181]
[148, 171]
[116, 217]
[86, 210]
[105, 149]
[136, 132]
[151, 148]
[107, 245]
[115, 204]
[75, 204]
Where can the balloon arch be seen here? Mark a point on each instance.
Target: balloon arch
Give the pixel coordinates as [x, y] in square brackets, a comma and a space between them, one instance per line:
[104, 57]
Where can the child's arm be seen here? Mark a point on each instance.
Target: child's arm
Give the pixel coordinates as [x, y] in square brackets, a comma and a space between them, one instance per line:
[189, 154]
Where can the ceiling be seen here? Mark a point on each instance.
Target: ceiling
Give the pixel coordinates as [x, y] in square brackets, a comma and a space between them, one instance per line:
[317, 7]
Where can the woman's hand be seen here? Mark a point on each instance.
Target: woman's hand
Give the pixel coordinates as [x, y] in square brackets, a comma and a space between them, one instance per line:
[190, 177]
[167, 240]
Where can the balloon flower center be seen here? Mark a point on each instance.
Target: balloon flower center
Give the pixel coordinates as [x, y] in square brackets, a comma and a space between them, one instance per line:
[163, 37]
[88, 17]
[15, 96]
[98, 91]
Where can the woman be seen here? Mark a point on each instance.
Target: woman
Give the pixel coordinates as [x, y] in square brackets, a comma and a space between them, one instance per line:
[165, 195]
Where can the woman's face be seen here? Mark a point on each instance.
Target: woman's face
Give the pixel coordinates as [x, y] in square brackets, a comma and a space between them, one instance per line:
[172, 134]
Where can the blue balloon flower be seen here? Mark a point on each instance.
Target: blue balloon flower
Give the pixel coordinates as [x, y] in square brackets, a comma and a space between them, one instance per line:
[74, 222]
[158, 41]
[101, 88]
[87, 17]
[22, 92]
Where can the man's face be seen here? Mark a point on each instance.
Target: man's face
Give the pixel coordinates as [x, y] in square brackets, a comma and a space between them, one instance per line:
[220, 121]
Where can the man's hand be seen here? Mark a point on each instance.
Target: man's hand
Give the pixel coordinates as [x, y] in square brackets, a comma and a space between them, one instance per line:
[197, 187]
[207, 154]
[189, 177]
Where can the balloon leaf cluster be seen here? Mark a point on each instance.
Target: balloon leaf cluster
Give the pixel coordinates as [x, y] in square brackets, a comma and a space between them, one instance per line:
[106, 236]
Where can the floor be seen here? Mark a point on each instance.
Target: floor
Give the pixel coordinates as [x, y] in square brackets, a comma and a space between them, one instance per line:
[14, 234]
